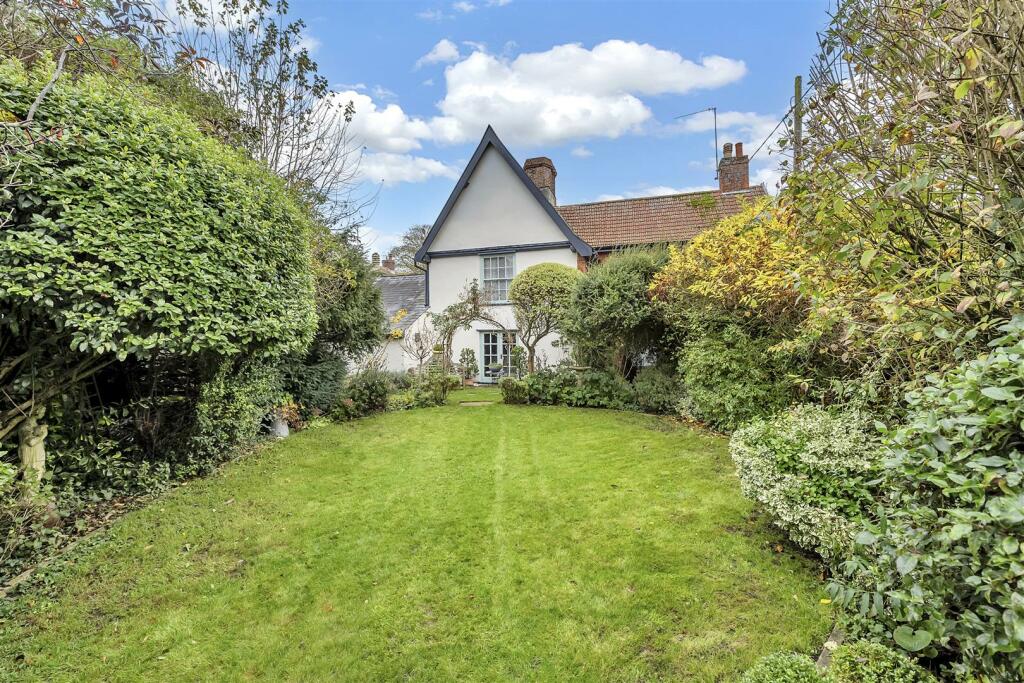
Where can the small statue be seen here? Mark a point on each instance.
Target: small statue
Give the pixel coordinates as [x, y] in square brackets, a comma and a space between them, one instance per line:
[32, 449]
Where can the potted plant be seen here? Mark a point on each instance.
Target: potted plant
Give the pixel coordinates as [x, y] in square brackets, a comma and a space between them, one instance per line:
[468, 367]
[283, 417]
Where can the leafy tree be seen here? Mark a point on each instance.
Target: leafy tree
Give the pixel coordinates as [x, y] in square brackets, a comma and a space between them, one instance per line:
[349, 313]
[121, 39]
[742, 305]
[421, 344]
[540, 297]
[132, 236]
[746, 270]
[611, 321]
[471, 305]
[350, 322]
[912, 180]
[405, 253]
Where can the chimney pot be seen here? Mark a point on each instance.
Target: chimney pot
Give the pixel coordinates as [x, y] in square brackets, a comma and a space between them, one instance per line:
[375, 260]
[727, 150]
[739, 149]
[542, 172]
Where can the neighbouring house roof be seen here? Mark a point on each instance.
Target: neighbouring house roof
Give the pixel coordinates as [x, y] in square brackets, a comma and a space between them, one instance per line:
[490, 139]
[654, 220]
[402, 292]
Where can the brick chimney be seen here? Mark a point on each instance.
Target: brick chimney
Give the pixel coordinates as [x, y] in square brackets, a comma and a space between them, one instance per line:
[542, 172]
[733, 169]
[388, 264]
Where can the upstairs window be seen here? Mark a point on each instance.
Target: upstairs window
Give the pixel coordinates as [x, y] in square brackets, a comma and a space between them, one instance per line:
[498, 272]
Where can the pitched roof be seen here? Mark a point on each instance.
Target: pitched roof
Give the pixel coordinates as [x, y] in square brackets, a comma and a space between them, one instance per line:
[398, 292]
[653, 220]
[490, 139]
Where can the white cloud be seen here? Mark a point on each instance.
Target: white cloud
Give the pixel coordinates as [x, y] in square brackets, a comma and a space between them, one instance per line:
[428, 82]
[771, 176]
[581, 152]
[382, 93]
[431, 15]
[463, 6]
[383, 130]
[567, 93]
[570, 92]
[444, 51]
[309, 43]
[498, 3]
[475, 45]
[750, 126]
[653, 191]
[392, 168]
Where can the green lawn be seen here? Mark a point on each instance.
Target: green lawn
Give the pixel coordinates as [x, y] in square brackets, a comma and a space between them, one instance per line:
[454, 543]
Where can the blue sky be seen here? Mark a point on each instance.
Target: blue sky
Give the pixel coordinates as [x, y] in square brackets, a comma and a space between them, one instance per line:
[594, 86]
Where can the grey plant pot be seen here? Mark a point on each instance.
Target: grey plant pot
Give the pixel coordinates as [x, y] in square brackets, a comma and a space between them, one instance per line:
[278, 427]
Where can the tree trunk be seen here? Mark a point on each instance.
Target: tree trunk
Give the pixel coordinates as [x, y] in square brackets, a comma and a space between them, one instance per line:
[530, 356]
[32, 449]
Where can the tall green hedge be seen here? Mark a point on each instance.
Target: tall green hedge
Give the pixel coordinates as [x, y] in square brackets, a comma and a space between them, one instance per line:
[941, 569]
[133, 233]
[132, 237]
[151, 279]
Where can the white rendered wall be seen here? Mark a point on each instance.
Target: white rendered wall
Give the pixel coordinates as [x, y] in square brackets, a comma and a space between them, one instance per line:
[494, 210]
[450, 274]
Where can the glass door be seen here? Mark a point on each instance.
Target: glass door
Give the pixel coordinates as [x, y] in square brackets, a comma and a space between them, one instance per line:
[496, 353]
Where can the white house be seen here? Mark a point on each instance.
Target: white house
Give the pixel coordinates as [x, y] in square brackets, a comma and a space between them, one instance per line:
[502, 218]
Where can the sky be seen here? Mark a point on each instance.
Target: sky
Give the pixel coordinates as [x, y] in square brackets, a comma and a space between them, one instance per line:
[595, 86]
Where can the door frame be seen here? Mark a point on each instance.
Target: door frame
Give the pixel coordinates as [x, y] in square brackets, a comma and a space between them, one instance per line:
[482, 376]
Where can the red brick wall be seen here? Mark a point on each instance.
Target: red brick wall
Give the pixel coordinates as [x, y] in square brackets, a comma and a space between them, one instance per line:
[542, 172]
[734, 174]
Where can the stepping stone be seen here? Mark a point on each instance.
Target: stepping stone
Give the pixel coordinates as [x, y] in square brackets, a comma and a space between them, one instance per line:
[476, 403]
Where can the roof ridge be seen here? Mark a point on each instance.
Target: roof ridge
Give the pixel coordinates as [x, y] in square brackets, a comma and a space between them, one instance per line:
[653, 196]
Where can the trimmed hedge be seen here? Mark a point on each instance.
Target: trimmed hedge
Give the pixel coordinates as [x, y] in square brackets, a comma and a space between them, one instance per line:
[783, 667]
[513, 391]
[811, 469]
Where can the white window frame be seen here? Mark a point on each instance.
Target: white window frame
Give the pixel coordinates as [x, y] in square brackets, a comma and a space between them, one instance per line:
[509, 270]
[506, 341]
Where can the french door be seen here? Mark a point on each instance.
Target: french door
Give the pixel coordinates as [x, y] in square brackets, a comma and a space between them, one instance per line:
[496, 353]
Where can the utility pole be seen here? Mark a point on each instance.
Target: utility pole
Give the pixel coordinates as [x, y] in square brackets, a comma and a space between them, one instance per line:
[798, 123]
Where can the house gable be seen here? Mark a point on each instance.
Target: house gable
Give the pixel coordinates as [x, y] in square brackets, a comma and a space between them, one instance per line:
[495, 205]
